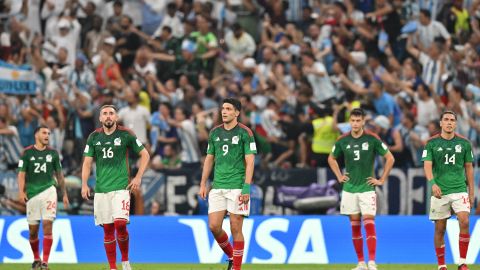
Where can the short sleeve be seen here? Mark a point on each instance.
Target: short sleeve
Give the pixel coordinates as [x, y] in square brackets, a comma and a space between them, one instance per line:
[210, 146]
[336, 149]
[134, 143]
[380, 147]
[427, 153]
[23, 163]
[57, 166]
[468, 153]
[249, 147]
[89, 150]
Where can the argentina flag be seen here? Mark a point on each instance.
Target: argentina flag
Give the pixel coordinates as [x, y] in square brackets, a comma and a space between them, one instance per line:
[17, 80]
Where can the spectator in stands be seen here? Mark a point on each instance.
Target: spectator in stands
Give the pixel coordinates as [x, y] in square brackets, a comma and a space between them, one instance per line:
[135, 116]
[172, 20]
[10, 146]
[429, 29]
[190, 154]
[392, 138]
[240, 44]
[316, 73]
[170, 159]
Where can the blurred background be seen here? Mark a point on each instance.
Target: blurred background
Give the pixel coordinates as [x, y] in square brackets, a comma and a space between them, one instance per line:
[298, 67]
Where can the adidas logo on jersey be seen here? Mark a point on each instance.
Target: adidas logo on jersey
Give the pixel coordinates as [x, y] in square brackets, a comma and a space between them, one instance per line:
[98, 143]
[32, 158]
[440, 149]
[217, 139]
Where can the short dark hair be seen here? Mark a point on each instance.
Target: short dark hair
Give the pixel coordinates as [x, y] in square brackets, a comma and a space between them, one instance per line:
[426, 13]
[236, 27]
[358, 112]
[167, 29]
[118, 3]
[448, 112]
[235, 102]
[39, 128]
[109, 106]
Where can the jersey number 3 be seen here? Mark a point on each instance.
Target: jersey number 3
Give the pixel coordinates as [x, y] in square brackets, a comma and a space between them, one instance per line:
[357, 155]
[449, 160]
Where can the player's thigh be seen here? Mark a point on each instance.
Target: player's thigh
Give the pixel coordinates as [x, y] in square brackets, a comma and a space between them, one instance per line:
[49, 204]
[460, 202]
[440, 208]
[217, 202]
[349, 204]
[102, 208]
[368, 203]
[34, 213]
[234, 205]
[121, 204]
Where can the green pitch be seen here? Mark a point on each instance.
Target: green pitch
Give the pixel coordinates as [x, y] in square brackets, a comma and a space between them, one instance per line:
[223, 267]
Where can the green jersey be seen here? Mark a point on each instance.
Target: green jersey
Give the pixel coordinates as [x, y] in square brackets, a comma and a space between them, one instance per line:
[39, 167]
[111, 157]
[448, 159]
[229, 148]
[359, 154]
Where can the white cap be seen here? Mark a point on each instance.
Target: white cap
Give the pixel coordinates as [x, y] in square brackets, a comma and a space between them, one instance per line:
[110, 40]
[382, 121]
[63, 23]
[249, 63]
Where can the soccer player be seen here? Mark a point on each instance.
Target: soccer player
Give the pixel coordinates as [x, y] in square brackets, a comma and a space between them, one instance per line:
[38, 166]
[448, 161]
[231, 146]
[109, 146]
[359, 200]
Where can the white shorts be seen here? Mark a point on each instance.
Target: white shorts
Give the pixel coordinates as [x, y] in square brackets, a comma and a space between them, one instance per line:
[227, 199]
[110, 206]
[442, 208]
[364, 203]
[42, 206]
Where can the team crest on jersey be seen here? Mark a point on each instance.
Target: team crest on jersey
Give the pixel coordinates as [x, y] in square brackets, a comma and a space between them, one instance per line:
[458, 148]
[117, 142]
[49, 158]
[235, 140]
[365, 146]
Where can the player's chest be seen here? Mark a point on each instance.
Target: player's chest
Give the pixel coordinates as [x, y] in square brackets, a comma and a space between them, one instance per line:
[40, 163]
[227, 142]
[112, 144]
[448, 153]
[357, 151]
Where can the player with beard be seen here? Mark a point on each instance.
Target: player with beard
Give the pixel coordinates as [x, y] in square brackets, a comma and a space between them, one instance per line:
[38, 166]
[231, 146]
[109, 147]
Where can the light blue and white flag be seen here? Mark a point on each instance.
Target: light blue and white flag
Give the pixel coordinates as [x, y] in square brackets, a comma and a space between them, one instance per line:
[17, 80]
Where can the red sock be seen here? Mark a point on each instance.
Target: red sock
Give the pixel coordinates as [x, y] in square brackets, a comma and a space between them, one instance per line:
[223, 242]
[110, 245]
[369, 224]
[357, 239]
[237, 254]
[122, 237]
[47, 245]
[463, 244]
[34, 246]
[440, 255]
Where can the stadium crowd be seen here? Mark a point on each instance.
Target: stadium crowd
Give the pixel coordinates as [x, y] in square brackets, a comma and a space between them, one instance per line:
[298, 67]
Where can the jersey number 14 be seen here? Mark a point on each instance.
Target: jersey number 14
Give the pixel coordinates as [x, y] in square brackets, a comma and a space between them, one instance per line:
[449, 160]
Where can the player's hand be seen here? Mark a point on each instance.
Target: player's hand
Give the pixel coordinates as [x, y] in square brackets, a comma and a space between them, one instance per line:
[374, 181]
[244, 198]
[22, 197]
[344, 178]
[203, 191]
[135, 184]
[436, 191]
[66, 202]
[85, 192]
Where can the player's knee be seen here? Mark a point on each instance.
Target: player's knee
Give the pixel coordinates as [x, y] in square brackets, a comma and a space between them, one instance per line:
[33, 235]
[464, 223]
[216, 229]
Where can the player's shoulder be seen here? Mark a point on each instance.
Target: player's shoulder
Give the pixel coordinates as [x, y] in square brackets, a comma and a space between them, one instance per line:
[95, 132]
[216, 129]
[125, 130]
[343, 137]
[371, 135]
[27, 149]
[462, 138]
[245, 129]
[433, 138]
